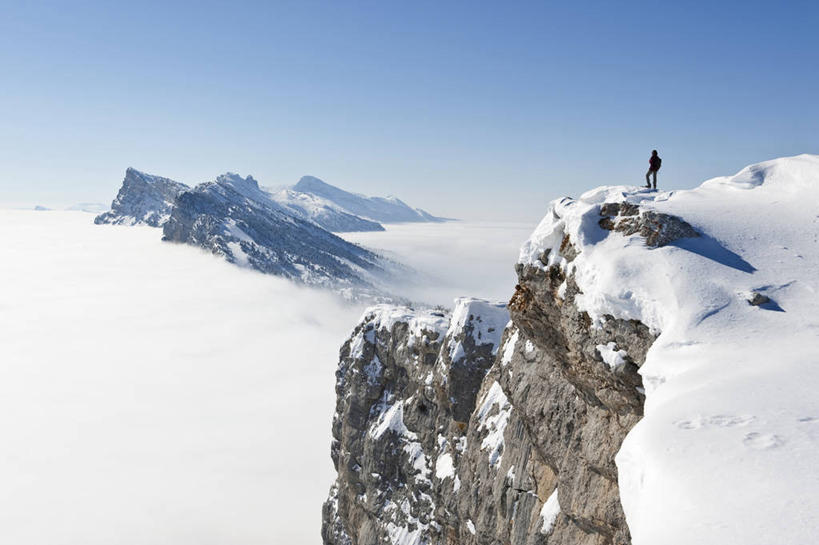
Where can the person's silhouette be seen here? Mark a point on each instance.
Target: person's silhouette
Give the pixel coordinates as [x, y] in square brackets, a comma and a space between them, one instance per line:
[654, 163]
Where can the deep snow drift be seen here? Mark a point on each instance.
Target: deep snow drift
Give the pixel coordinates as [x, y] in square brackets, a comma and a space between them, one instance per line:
[728, 450]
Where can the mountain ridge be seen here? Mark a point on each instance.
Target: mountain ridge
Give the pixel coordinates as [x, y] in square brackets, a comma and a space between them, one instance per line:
[380, 209]
[232, 216]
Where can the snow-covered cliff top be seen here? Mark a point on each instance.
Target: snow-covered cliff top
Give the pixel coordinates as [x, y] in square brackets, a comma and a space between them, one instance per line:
[728, 451]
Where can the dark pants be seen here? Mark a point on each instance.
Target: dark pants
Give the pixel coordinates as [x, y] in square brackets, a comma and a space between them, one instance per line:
[651, 172]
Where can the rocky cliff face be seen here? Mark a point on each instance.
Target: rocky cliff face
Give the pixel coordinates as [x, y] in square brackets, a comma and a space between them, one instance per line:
[142, 199]
[446, 432]
[234, 218]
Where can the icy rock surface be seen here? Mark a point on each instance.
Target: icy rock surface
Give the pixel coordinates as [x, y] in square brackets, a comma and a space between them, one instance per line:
[233, 217]
[142, 199]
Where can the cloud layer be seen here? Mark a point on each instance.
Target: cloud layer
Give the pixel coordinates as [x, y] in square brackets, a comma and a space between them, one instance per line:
[452, 259]
[153, 394]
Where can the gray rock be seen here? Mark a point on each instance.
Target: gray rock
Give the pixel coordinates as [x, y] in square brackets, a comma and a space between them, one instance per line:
[527, 458]
[756, 299]
[142, 199]
[656, 228]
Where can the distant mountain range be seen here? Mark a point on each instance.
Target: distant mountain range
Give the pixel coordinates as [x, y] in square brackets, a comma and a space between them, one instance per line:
[377, 209]
[323, 212]
[286, 233]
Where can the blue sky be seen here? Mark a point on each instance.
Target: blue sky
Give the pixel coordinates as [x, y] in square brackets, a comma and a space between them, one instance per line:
[468, 109]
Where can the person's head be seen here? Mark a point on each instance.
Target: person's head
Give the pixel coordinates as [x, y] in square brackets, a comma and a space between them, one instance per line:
[653, 152]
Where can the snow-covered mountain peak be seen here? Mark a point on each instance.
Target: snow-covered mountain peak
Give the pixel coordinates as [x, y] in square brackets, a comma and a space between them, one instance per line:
[142, 199]
[380, 209]
[247, 186]
[322, 212]
[133, 175]
[309, 183]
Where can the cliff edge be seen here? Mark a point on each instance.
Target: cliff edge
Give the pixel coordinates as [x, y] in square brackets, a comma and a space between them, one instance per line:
[650, 381]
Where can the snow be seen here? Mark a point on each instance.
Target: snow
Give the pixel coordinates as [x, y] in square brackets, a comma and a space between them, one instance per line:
[235, 231]
[494, 422]
[470, 526]
[321, 211]
[402, 535]
[373, 370]
[510, 475]
[549, 513]
[444, 467]
[239, 255]
[391, 420]
[509, 348]
[612, 357]
[487, 321]
[390, 209]
[312, 205]
[728, 449]
[418, 460]
[420, 321]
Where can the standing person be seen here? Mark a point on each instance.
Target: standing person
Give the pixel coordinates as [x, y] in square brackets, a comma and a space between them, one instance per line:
[654, 163]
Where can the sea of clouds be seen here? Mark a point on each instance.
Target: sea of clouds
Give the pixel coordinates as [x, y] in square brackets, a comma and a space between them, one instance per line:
[153, 394]
[452, 259]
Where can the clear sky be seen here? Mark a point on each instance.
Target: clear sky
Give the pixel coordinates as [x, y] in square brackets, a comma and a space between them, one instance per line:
[467, 109]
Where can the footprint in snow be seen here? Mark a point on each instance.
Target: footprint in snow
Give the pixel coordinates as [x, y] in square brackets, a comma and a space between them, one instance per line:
[762, 441]
[717, 420]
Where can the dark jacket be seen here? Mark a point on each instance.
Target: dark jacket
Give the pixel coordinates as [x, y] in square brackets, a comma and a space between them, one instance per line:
[654, 162]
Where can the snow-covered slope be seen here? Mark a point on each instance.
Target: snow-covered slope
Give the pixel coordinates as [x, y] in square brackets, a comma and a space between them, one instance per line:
[387, 210]
[728, 449]
[322, 212]
[142, 199]
[233, 217]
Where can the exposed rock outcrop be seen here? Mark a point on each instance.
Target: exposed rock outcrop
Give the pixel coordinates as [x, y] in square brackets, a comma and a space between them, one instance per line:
[446, 434]
[142, 199]
[424, 455]
[656, 228]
